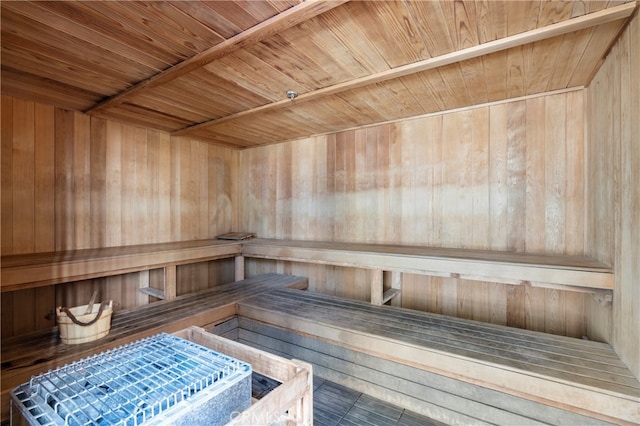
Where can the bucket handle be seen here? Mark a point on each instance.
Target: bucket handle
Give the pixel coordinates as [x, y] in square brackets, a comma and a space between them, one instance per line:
[84, 324]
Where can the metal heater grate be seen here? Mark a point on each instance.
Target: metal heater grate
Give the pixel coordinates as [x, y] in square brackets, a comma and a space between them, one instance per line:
[129, 385]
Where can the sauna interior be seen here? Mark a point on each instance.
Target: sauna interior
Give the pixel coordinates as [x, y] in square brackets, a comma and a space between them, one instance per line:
[476, 162]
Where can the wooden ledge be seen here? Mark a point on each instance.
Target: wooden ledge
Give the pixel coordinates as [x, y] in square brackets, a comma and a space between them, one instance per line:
[574, 273]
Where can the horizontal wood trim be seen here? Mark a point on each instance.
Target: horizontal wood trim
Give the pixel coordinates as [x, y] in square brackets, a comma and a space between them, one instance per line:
[482, 265]
[35, 270]
[583, 382]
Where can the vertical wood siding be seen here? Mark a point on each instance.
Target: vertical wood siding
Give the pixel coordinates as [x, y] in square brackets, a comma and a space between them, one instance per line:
[508, 176]
[613, 206]
[70, 181]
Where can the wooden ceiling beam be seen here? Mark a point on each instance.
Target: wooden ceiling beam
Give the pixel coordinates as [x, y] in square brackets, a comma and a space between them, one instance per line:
[586, 21]
[280, 22]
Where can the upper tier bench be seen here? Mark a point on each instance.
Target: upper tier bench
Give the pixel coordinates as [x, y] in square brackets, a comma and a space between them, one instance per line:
[32, 354]
[40, 269]
[581, 376]
[574, 273]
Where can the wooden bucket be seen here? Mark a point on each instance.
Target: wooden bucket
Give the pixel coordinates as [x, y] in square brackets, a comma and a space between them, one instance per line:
[76, 326]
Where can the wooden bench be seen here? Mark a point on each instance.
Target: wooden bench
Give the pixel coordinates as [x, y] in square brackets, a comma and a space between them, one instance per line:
[41, 269]
[577, 375]
[574, 273]
[29, 355]
[443, 399]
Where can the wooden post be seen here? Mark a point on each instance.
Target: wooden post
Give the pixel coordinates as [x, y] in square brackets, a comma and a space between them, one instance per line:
[376, 286]
[306, 412]
[170, 278]
[239, 268]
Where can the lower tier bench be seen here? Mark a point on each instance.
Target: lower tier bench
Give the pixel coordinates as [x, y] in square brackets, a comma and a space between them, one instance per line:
[32, 354]
[581, 376]
[442, 399]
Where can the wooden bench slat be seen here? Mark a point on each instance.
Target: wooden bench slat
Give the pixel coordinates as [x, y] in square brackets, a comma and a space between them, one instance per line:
[438, 397]
[563, 261]
[482, 347]
[134, 318]
[557, 343]
[601, 359]
[154, 314]
[479, 353]
[10, 261]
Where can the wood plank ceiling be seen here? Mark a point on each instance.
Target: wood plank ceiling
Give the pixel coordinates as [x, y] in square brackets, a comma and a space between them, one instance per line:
[219, 70]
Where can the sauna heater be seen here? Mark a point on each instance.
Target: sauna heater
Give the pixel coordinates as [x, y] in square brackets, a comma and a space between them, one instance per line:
[159, 380]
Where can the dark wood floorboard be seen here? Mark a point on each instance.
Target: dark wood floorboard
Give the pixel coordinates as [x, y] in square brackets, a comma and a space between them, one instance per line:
[336, 405]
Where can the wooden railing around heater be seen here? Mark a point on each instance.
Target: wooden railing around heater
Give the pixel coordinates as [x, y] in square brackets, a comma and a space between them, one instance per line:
[573, 273]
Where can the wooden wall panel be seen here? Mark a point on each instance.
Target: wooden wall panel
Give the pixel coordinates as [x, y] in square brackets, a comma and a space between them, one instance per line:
[507, 176]
[72, 182]
[6, 197]
[23, 171]
[613, 188]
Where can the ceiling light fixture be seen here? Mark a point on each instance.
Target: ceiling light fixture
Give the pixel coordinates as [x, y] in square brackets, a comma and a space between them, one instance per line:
[291, 94]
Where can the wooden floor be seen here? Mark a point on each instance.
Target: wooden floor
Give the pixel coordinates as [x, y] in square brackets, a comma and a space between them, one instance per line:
[334, 404]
